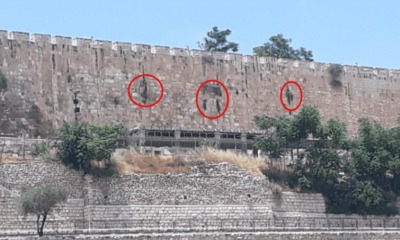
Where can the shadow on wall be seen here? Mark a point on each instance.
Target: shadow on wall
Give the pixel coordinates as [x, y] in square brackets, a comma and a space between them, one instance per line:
[21, 115]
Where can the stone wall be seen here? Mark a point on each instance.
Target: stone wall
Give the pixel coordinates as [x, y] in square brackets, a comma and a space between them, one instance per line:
[43, 71]
[20, 148]
[17, 176]
[207, 185]
[214, 199]
[236, 236]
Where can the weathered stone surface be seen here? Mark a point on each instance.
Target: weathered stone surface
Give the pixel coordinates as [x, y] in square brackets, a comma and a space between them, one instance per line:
[241, 236]
[42, 73]
[216, 201]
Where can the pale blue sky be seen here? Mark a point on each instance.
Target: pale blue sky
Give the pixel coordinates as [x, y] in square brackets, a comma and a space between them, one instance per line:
[347, 32]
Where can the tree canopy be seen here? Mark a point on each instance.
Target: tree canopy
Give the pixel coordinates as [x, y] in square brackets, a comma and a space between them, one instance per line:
[83, 144]
[216, 41]
[40, 201]
[279, 47]
[366, 182]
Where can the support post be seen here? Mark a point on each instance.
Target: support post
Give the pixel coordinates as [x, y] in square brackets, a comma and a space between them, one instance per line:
[243, 139]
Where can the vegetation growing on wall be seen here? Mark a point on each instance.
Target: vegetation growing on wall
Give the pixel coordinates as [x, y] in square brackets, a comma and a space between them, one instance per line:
[39, 148]
[279, 47]
[336, 70]
[366, 183]
[216, 41]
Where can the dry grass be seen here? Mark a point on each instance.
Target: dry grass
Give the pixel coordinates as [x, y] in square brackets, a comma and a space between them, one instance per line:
[132, 162]
[243, 162]
[13, 159]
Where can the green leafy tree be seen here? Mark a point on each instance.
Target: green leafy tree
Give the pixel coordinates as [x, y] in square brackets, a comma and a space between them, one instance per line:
[324, 164]
[367, 196]
[40, 202]
[279, 47]
[335, 132]
[83, 144]
[304, 183]
[287, 130]
[216, 41]
[366, 182]
[306, 122]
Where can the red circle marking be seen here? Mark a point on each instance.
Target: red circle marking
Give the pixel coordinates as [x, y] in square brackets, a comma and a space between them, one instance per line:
[145, 105]
[301, 96]
[227, 99]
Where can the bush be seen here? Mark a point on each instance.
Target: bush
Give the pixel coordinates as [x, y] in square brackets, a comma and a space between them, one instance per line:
[82, 145]
[276, 175]
[109, 170]
[39, 149]
[304, 183]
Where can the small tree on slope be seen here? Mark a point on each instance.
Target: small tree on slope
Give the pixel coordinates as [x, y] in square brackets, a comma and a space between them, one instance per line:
[40, 202]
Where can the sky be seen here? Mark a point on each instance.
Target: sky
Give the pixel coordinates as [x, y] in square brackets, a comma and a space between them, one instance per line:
[352, 32]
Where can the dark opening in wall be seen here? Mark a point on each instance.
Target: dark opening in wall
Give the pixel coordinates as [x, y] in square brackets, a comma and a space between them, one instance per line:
[218, 106]
[289, 95]
[96, 59]
[184, 197]
[212, 88]
[116, 101]
[205, 104]
[69, 79]
[248, 195]
[53, 61]
[144, 94]
[336, 71]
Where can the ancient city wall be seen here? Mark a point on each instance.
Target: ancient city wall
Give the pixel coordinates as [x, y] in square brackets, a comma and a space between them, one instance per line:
[42, 70]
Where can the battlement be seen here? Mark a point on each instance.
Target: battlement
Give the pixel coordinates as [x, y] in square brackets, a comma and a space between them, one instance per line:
[43, 68]
[84, 43]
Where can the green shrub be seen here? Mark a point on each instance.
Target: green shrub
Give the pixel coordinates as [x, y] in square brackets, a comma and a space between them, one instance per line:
[109, 170]
[39, 149]
[83, 144]
[365, 181]
[304, 183]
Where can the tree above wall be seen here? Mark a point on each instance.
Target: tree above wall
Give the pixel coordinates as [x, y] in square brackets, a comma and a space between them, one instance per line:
[279, 47]
[216, 41]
